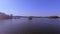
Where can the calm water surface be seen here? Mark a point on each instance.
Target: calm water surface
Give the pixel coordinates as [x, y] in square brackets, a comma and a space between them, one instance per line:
[34, 26]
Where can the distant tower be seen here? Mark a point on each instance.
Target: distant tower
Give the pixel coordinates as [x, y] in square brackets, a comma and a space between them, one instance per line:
[11, 16]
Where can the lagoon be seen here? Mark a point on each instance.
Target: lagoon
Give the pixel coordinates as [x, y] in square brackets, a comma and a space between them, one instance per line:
[26, 26]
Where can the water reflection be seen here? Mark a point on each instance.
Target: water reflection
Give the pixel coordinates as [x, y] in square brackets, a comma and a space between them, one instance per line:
[24, 25]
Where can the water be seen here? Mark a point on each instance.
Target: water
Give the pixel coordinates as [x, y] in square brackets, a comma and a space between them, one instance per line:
[34, 26]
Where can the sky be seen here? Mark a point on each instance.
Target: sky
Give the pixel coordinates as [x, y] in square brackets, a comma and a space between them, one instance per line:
[30, 7]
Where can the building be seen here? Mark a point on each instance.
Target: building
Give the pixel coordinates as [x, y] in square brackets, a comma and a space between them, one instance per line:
[3, 16]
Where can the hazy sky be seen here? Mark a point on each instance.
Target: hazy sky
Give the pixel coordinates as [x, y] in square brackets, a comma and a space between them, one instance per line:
[30, 7]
